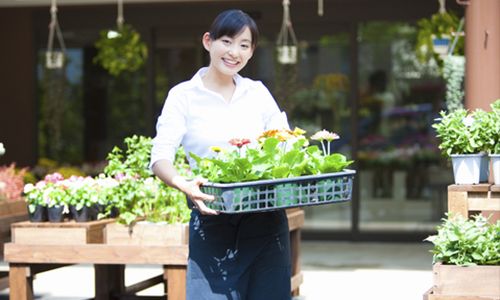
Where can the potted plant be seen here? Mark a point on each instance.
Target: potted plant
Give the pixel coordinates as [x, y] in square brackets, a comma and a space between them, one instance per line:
[47, 199]
[463, 138]
[280, 170]
[494, 130]
[466, 257]
[120, 50]
[150, 212]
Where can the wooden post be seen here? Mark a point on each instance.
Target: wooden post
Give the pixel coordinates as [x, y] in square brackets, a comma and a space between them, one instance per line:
[176, 282]
[20, 282]
[295, 257]
[458, 204]
[109, 281]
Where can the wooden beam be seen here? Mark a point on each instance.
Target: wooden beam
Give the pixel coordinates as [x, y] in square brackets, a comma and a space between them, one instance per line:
[96, 254]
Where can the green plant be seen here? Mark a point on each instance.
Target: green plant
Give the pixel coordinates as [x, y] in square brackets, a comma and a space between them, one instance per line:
[439, 25]
[461, 132]
[280, 154]
[453, 73]
[463, 241]
[120, 50]
[134, 161]
[51, 191]
[139, 194]
[494, 125]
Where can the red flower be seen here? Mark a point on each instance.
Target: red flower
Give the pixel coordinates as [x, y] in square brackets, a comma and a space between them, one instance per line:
[239, 142]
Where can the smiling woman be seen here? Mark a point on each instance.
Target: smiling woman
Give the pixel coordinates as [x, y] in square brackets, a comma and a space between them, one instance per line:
[230, 257]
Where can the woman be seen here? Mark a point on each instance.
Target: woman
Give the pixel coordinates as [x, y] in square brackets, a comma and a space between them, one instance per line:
[241, 256]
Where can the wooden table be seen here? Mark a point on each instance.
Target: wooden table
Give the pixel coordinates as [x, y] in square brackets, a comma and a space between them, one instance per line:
[109, 262]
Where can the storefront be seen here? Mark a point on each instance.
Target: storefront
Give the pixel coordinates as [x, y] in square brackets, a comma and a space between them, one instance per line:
[356, 74]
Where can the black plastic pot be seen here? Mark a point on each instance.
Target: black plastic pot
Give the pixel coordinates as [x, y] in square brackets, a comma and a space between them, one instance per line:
[39, 215]
[81, 215]
[55, 213]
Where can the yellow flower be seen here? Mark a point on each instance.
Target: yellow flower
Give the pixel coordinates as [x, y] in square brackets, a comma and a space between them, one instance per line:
[298, 131]
[216, 149]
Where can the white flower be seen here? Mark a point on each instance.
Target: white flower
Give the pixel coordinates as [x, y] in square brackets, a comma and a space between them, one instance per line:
[28, 188]
[325, 135]
[2, 149]
[2, 185]
[468, 121]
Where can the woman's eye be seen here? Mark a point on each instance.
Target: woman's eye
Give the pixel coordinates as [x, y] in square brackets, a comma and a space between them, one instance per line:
[244, 46]
[227, 42]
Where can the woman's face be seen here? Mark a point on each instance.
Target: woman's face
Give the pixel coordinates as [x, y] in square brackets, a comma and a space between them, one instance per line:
[228, 55]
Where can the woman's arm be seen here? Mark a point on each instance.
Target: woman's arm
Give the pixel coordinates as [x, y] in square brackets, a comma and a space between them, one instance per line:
[166, 171]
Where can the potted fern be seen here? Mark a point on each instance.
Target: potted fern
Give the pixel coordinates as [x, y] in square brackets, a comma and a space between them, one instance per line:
[463, 137]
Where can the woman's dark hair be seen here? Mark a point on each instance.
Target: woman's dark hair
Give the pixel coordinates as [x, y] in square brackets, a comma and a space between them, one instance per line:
[231, 22]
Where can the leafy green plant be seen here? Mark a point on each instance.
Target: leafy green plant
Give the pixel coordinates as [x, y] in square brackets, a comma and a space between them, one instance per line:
[461, 132]
[494, 127]
[453, 73]
[120, 50]
[279, 154]
[463, 241]
[439, 25]
[139, 194]
[134, 161]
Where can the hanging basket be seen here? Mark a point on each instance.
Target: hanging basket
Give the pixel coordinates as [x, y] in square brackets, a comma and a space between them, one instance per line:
[54, 59]
[287, 54]
[441, 45]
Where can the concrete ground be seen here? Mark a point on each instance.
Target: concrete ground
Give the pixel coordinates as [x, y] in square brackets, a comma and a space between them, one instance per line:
[332, 270]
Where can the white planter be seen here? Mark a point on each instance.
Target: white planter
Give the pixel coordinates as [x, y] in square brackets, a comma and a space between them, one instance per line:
[495, 167]
[484, 172]
[287, 54]
[466, 168]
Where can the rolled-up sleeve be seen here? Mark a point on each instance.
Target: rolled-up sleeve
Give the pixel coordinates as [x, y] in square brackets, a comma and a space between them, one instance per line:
[170, 127]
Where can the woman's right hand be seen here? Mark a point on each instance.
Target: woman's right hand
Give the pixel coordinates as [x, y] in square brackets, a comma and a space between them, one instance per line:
[192, 190]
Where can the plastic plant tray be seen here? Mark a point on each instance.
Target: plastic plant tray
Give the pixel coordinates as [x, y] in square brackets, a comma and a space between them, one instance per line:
[265, 195]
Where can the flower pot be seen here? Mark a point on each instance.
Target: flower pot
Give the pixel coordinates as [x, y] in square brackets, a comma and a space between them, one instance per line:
[484, 172]
[287, 54]
[466, 168]
[39, 215]
[82, 215]
[55, 213]
[495, 167]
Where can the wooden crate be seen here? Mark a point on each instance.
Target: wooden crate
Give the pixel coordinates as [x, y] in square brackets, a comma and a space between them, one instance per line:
[144, 233]
[464, 199]
[64, 233]
[10, 212]
[471, 281]
[13, 208]
[431, 295]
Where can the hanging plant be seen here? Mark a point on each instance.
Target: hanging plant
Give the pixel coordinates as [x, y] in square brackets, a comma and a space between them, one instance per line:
[435, 35]
[453, 73]
[120, 50]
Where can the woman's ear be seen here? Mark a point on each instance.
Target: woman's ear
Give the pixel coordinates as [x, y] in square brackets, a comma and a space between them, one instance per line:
[206, 40]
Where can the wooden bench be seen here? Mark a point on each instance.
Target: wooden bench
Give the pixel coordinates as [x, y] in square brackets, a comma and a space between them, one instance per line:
[109, 262]
[465, 199]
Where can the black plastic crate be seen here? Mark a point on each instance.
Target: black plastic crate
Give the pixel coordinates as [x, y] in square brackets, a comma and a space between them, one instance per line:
[265, 195]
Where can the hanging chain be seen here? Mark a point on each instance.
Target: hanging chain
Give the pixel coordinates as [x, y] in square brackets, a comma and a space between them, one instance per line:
[54, 27]
[120, 19]
[320, 8]
[442, 6]
[286, 26]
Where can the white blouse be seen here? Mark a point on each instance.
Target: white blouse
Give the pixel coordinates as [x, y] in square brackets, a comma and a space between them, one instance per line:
[198, 118]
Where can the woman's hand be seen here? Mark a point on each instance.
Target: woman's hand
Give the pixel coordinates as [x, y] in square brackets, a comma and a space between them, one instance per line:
[192, 190]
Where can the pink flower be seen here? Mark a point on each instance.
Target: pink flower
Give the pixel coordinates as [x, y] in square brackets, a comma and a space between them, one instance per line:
[239, 142]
